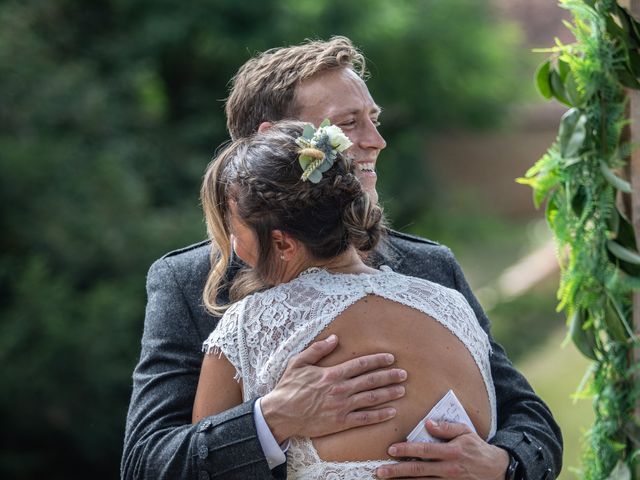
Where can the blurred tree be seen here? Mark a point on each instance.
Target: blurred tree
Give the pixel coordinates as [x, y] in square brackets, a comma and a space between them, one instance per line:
[109, 112]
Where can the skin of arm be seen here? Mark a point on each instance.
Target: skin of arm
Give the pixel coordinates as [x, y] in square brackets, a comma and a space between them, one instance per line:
[217, 390]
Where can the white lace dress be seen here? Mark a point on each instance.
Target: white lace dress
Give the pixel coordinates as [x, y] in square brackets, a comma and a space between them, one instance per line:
[259, 334]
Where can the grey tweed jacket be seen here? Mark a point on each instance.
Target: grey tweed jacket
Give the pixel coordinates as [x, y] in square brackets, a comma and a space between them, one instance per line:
[160, 442]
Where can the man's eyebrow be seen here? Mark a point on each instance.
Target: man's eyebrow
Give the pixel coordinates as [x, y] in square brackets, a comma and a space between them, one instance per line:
[376, 109]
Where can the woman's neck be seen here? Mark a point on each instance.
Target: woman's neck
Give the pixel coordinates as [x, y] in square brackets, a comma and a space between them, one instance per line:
[347, 262]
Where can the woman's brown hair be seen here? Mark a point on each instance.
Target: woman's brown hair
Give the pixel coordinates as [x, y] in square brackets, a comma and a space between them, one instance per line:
[262, 175]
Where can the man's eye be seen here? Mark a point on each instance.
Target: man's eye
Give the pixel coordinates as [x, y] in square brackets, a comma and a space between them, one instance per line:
[348, 123]
[375, 121]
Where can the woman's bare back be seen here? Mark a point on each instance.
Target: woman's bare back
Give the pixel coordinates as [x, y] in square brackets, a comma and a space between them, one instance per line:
[434, 358]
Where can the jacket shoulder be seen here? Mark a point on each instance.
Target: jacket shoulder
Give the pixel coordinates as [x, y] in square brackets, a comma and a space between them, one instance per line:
[188, 265]
[423, 258]
[192, 249]
[406, 237]
[405, 242]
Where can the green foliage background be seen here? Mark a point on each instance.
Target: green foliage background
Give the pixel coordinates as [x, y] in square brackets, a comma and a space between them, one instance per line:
[109, 112]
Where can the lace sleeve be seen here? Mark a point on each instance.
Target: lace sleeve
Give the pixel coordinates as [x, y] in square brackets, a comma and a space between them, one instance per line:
[224, 338]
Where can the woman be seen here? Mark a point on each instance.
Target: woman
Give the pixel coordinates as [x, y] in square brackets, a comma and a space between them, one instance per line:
[289, 204]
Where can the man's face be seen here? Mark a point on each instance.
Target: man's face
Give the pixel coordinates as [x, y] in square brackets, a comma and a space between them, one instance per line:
[342, 97]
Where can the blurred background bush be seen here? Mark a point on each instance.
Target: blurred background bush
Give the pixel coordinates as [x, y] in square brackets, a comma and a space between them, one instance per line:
[109, 112]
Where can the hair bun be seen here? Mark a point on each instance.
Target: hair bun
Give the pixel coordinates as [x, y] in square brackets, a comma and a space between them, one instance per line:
[363, 222]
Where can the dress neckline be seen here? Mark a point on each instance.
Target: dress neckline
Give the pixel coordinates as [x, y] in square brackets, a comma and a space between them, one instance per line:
[312, 270]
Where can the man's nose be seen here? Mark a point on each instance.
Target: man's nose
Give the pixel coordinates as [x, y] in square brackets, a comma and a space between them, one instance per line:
[372, 138]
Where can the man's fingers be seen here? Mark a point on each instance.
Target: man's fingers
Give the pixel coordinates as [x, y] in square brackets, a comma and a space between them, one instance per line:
[371, 380]
[315, 352]
[419, 470]
[358, 366]
[424, 450]
[368, 417]
[446, 430]
[372, 398]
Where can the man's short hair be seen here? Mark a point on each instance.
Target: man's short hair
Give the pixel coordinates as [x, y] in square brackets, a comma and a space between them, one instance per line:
[263, 90]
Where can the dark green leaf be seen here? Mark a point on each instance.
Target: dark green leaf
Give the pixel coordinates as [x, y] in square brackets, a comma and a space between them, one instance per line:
[542, 80]
[552, 210]
[634, 62]
[632, 429]
[615, 181]
[571, 90]
[614, 319]
[557, 88]
[572, 133]
[627, 79]
[582, 335]
[579, 201]
[615, 30]
[627, 23]
[626, 233]
[563, 69]
[625, 254]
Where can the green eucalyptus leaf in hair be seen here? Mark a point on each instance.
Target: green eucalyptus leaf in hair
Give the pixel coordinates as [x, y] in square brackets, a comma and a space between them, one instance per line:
[324, 166]
[315, 176]
[308, 131]
[305, 161]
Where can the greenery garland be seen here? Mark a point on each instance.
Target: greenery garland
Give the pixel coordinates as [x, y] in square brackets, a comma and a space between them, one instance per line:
[599, 261]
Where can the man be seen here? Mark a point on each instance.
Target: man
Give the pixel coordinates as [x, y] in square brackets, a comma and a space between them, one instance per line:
[310, 82]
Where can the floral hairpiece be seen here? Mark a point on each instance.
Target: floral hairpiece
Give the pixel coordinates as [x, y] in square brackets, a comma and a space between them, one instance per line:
[319, 149]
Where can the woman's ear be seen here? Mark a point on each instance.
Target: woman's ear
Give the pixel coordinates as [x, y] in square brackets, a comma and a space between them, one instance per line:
[264, 126]
[285, 246]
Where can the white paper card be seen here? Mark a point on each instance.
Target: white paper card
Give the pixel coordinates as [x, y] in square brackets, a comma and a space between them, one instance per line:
[448, 409]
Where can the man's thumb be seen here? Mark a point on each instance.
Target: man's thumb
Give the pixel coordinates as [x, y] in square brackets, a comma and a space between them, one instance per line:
[315, 352]
[446, 430]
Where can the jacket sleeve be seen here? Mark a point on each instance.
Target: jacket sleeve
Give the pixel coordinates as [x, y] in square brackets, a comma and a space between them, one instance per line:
[526, 427]
[160, 441]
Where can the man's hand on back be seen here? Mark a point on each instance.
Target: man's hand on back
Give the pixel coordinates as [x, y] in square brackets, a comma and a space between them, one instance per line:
[464, 455]
[312, 401]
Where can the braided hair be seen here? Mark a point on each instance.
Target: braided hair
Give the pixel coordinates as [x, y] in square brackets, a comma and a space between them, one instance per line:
[262, 175]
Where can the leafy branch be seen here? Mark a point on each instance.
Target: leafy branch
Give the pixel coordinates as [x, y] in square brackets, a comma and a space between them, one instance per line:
[599, 260]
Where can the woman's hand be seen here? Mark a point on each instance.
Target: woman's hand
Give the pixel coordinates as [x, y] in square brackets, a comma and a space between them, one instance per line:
[464, 455]
[313, 401]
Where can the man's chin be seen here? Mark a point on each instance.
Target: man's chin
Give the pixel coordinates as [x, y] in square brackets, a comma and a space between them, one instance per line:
[369, 185]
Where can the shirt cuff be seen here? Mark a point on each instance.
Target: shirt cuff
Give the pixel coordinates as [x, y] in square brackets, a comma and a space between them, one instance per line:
[273, 452]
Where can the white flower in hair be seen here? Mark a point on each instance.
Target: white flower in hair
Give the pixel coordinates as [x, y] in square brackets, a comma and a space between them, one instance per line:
[337, 138]
[319, 149]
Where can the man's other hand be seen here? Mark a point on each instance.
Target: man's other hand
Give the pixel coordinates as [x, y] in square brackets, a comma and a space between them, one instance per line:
[464, 455]
[313, 401]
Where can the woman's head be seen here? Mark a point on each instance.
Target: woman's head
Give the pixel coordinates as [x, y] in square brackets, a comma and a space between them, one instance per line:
[256, 183]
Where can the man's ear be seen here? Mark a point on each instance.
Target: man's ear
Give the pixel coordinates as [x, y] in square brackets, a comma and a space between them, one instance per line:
[285, 245]
[264, 126]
